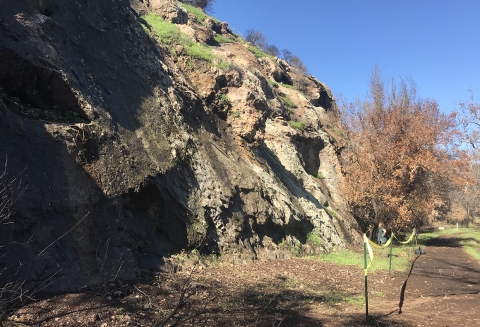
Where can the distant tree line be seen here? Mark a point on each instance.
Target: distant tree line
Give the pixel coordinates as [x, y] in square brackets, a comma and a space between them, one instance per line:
[259, 40]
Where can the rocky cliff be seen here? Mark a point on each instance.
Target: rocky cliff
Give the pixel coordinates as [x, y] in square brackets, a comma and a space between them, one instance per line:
[130, 148]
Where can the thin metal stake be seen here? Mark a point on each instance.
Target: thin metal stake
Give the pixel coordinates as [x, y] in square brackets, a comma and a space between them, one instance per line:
[390, 268]
[366, 278]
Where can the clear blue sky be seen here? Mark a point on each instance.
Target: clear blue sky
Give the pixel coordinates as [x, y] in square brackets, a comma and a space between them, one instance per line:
[434, 42]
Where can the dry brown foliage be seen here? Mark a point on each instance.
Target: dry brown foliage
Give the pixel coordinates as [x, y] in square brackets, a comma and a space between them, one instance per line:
[401, 158]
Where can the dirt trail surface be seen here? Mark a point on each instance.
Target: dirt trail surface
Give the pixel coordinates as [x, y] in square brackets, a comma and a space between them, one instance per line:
[441, 289]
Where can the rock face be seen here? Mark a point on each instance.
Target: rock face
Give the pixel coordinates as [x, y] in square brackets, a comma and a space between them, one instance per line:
[169, 10]
[128, 153]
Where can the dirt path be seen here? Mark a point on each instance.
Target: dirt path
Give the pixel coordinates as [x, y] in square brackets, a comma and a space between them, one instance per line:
[442, 289]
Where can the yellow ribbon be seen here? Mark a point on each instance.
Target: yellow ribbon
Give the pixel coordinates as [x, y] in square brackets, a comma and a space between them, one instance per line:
[370, 252]
[370, 243]
[408, 240]
[380, 246]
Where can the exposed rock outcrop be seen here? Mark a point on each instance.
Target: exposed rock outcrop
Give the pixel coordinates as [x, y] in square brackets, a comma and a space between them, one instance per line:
[133, 151]
[170, 10]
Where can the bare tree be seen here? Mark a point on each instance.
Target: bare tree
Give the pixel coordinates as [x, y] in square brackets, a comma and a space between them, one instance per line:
[287, 55]
[294, 61]
[469, 119]
[256, 38]
[271, 50]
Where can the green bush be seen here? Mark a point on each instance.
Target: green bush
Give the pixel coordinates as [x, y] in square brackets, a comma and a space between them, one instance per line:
[298, 125]
[314, 238]
[295, 249]
[224, 99]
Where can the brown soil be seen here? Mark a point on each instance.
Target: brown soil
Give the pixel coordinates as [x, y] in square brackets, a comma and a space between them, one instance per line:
[441, 289]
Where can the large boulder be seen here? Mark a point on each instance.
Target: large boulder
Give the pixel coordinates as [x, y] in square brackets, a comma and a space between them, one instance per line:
[217, 27]
[170, 11]
[321, 95]
[203, 34]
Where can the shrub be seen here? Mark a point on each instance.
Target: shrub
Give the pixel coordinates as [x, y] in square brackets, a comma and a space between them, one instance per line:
[314, 238]
[224, 99]
[298, 125]
[271, 50]
[12, 286]
[295, 247]
[294, 61]
[255, 37]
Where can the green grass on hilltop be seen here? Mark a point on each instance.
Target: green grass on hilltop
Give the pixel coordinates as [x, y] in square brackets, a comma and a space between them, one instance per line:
[219, 38]
[165, 32]
[198, 51]
[257, 52]
[199, 14]
[169, 34]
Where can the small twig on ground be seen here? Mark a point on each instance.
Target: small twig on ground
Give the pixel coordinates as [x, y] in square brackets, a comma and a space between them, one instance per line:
[182, 300]
[62, 314]
[263, 310]
[145, 294]
[60, 237]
